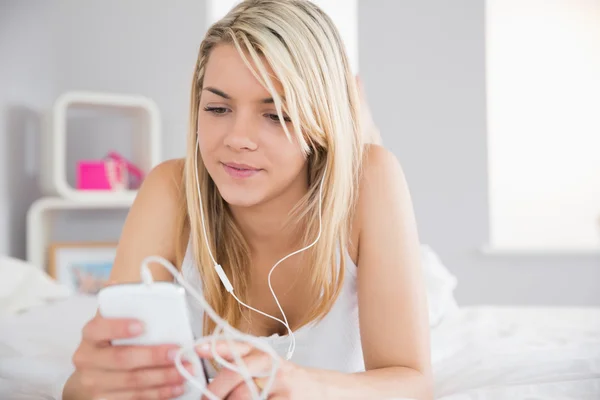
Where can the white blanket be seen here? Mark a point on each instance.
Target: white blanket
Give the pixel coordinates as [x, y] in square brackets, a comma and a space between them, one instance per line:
[36, 347]
[23, 285]
[478, 353]
[518, 353]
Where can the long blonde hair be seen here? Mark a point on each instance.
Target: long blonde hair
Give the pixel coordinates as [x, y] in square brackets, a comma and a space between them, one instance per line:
[304, 49]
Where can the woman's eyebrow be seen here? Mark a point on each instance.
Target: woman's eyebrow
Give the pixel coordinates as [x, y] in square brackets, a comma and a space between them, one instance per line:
[268, 100]
[218, 92]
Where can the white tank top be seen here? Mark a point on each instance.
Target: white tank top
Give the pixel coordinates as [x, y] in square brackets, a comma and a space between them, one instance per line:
[332, 343]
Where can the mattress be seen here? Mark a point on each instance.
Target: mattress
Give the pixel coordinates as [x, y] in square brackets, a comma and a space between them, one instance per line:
[477, 352]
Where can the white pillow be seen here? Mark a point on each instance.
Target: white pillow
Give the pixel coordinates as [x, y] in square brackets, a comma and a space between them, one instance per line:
[23, 285]
[439, 284]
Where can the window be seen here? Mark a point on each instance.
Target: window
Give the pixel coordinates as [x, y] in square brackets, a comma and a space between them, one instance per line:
[543, 94]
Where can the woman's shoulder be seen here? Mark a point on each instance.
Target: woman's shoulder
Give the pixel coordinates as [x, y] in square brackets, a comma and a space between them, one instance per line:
[163, 183]
[381, 177]
[151, 223]
[377, 159]
[380, 172]
[160, 195]
[166, 175]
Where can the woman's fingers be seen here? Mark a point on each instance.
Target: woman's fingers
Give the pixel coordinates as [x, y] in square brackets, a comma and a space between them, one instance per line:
[135, 357]
[241, 392]
[166, 392]
[124, 357]
[224, 349]
[100, 329]
[94, 380]
[231, 385]
[227, 380]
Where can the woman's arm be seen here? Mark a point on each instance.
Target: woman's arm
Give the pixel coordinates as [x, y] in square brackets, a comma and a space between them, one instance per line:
[392, 300]
[151, 225]
[150, 229]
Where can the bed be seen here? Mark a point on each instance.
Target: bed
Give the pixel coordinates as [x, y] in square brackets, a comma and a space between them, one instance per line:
[479, 352]
[518, 353]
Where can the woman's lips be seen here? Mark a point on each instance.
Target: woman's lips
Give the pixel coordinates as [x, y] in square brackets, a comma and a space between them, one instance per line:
[240, 170]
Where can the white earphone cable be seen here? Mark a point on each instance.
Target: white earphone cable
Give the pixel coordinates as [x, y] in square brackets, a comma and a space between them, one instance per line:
[293, 343]
[226, 281]
[228, 333]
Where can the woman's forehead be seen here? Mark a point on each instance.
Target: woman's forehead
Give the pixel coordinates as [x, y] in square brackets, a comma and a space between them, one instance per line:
[227, 72]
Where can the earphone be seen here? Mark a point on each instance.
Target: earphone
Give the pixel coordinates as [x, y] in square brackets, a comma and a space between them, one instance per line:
[223, 277]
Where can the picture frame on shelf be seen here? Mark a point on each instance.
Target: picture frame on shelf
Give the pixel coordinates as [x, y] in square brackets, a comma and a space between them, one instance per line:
[84, 267]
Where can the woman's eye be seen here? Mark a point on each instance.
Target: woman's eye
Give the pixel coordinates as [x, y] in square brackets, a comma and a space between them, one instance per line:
[275, 118]
[216, 110]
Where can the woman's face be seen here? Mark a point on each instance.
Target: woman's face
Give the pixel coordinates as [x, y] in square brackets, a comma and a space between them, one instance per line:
[242, 142]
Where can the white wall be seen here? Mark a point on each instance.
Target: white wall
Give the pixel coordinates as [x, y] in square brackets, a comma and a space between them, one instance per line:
[46, 48]
[137, 46]
[424, 66]
[27, 85]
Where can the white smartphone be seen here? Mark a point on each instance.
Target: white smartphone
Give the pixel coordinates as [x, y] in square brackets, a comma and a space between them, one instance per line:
[162, 308]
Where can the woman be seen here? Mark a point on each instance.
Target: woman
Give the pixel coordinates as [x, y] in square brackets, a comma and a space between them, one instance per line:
[275, 112]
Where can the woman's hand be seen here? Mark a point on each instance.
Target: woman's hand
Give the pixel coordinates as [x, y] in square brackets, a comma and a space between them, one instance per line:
[111, 372]
[291, 381]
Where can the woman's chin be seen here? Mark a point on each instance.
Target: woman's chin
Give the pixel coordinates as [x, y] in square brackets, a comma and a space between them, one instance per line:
[239, 198]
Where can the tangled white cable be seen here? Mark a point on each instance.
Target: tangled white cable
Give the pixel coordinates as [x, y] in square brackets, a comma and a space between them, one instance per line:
[223, 331]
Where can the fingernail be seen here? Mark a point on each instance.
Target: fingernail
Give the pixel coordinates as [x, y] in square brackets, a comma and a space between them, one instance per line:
[204, 347]
[172, 354]
[135, 328]
[178, 390]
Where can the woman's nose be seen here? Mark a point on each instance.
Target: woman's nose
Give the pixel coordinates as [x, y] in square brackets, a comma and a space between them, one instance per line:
[242, 135]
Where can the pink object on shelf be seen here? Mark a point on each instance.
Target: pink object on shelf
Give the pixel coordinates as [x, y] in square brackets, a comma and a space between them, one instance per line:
[91, 175]
[112, 173]
[135, 175]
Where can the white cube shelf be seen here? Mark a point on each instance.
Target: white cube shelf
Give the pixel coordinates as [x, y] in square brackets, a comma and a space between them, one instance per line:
[146, 141]
[40, 217]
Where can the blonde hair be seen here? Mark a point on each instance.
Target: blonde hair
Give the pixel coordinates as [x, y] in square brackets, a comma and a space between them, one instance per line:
[302, 46]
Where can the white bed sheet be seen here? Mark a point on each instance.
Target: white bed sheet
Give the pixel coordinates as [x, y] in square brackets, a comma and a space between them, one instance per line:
[518, 353]
[36, 347]
[478, 352]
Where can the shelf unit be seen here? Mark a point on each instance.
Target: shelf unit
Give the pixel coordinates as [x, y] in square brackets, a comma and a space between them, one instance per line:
[62, 197]
[41, 213]
[53, 173]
